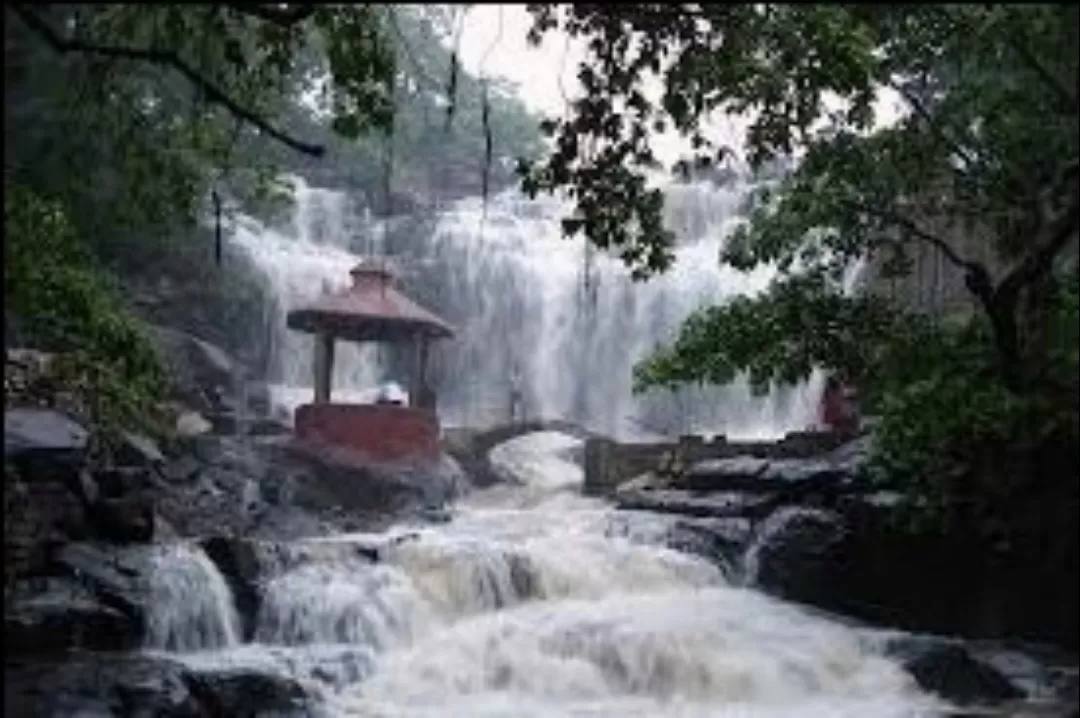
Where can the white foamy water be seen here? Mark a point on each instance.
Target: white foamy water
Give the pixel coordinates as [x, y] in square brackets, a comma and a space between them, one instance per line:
[537, 601]
[539, 610]
[547, 327]
[190, 606]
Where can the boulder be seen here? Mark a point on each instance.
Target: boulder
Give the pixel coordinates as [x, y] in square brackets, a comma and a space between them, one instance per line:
[268, 427]
[739, 473]
[721, 540]
[796, 554]
[124, 519]
[238, 561]
[114, 482]
[44, 436]
[116, 577]
[203, 374]
[138, 450]
[55, 615]
[949, 670]
[192, 423]
[242, 692]
[686, 503]
[100, 685]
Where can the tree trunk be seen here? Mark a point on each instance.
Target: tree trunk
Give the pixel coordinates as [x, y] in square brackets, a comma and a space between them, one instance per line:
[1003, 322]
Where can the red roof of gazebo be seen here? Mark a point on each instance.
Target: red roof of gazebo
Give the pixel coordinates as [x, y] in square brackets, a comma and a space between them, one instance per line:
[371, 310]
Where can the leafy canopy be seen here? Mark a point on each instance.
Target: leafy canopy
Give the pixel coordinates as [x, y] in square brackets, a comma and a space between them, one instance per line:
[988, 144]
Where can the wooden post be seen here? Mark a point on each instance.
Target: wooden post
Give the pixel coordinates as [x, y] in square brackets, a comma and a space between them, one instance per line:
[418, 391]
[324, 366]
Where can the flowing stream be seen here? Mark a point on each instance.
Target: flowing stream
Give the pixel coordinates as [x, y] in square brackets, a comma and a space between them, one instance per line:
[537, 601]
[533, 600]
[546, 327]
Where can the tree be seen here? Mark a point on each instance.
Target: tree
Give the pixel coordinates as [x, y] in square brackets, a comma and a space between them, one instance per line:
[990, 137]
[975, 411]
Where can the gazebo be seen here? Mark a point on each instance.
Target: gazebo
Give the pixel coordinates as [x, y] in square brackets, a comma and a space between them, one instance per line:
[371, 310]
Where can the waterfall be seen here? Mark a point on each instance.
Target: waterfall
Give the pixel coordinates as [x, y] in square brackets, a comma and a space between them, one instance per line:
[191, 607]
[545, 324]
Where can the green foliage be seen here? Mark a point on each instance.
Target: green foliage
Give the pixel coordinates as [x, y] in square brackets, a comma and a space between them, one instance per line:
[429, 157]
[780, 336]
[990, 130]
[969, 452]
[52, 285]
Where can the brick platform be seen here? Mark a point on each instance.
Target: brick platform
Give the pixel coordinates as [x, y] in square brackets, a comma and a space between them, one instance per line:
[384, 433]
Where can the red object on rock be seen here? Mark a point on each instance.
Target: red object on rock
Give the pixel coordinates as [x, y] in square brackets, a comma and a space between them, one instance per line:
[838, 410]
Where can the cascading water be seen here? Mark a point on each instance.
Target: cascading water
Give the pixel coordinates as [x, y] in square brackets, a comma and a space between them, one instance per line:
[191, 607]
[298, 262]
[529, 604]
[544, 327]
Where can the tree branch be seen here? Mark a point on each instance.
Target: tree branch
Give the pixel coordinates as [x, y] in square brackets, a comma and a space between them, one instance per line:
[169, 59]
[1061, 229]
[918, 232]
[286, 17]
[921, 111]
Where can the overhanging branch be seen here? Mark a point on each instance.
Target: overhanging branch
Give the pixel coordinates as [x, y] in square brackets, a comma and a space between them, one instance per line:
[921, 110]
[168, 59]
[939, 243]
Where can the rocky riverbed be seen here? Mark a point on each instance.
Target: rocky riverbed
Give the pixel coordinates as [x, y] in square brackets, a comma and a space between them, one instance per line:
[224, 574]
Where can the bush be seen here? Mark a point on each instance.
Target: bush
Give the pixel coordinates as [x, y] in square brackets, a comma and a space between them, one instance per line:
[63, 301]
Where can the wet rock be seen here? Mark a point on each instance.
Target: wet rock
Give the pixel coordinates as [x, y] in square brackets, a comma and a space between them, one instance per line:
[225, 422]
[790, 471]
[238, 561]
[268, 427]
[116, 577]
[241, 692]
[716, 505]
[114, 482]
[797, 553]
[55, 615]
[201, 372]
[950, 671]
[124, 519]
[101, 685]
[740, 473]
[257, 396]
[721, 540]
[851, 456]
[192, 423]
[138, 450]
[44, 435]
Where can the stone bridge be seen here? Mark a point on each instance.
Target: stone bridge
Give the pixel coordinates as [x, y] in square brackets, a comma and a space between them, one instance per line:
[471, 447]
[608, 463]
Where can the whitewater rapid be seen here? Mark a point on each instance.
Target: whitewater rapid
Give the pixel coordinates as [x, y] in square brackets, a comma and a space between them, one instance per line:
[536, 601]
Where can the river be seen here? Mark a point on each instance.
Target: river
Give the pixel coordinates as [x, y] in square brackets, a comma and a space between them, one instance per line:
[533, 601]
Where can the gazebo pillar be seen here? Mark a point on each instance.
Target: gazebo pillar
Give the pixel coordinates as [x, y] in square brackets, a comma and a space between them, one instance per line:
[419, 374]
[324, 366]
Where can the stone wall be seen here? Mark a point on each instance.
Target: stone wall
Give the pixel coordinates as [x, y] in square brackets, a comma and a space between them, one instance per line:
[609, 463]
